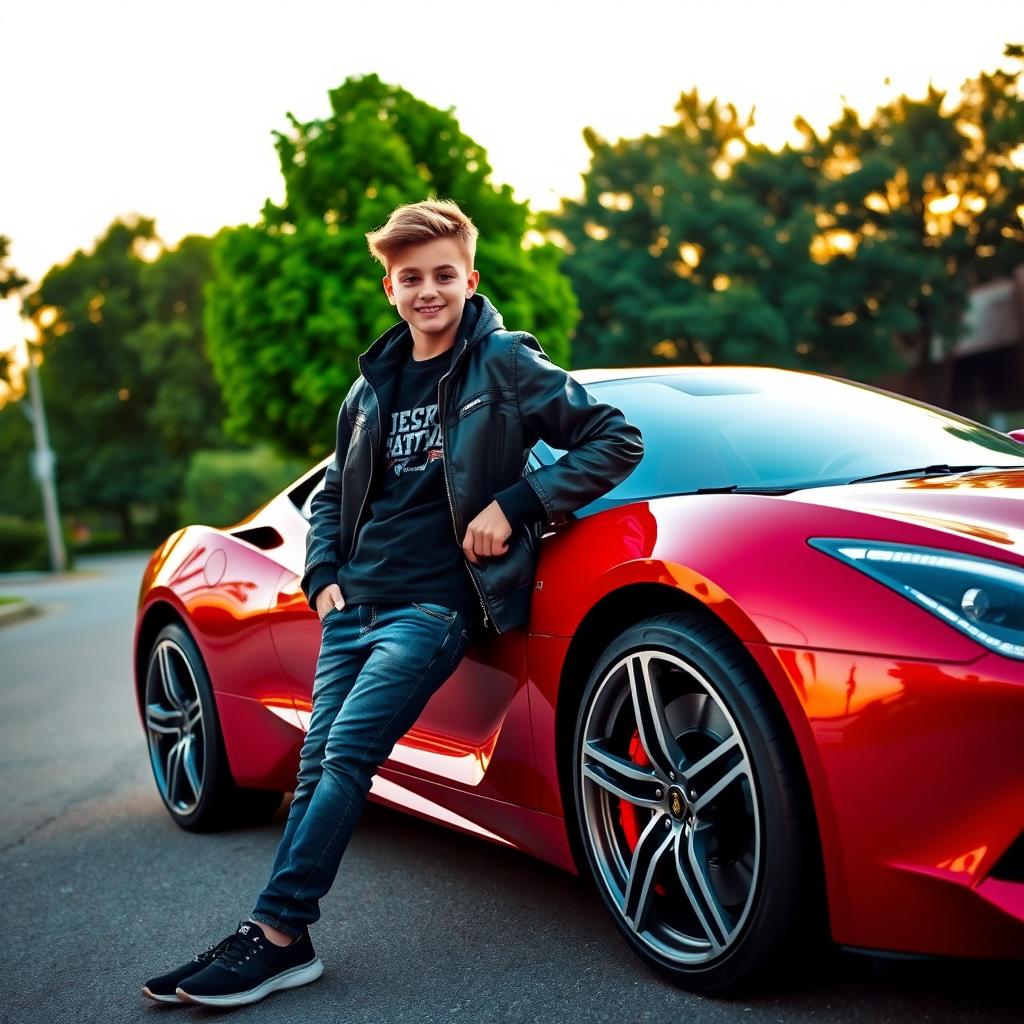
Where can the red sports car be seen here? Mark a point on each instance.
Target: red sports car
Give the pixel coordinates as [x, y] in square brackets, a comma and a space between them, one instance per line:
[771, 683]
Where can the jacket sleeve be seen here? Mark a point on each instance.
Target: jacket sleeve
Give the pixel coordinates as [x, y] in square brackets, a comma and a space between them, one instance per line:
[322, 554]
[521, 504]
[601, 446]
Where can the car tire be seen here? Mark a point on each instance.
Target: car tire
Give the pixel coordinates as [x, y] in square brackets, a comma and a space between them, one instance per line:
[186, 746]
[689, 806]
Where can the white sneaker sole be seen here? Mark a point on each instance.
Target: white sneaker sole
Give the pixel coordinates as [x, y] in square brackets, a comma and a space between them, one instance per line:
[292, 978]
[159, 998]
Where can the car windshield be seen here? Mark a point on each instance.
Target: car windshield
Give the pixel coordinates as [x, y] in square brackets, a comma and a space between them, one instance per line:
[760, 428]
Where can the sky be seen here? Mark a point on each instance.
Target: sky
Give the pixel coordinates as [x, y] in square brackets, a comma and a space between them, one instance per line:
[167, 110]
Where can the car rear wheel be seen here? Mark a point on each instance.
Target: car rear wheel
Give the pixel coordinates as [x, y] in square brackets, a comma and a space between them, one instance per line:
[687, 803]
[186, 748]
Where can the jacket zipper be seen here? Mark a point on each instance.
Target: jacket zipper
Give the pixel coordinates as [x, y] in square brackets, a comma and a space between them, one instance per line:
[448, 492]
[369, 482]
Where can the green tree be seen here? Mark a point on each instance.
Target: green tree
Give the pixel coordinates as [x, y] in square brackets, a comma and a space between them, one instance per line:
[11, 282]
[223, 487]
[10, 279]
[97, 396]
[170, 343]
[925, 201]
[693, 245]
[130, 392]
[19, 492]
[690, 245]
[295, 298]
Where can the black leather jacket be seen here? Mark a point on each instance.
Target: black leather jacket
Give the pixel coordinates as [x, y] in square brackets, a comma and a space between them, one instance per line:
[501, 394]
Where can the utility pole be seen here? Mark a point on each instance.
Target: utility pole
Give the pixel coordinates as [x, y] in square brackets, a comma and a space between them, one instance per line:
[43, 462]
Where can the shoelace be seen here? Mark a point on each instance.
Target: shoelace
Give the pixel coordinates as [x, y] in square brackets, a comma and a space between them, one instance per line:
[212, 952]
[238, 948]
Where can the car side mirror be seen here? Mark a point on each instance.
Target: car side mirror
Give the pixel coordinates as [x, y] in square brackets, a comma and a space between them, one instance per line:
[1017, 435]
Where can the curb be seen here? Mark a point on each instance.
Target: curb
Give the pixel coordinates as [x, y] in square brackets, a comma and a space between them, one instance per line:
[10, 613]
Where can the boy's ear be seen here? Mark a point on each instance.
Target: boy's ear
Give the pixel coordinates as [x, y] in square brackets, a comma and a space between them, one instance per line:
[386, 282]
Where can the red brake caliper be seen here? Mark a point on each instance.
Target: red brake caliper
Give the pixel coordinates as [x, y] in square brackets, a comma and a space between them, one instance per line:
[629, 814]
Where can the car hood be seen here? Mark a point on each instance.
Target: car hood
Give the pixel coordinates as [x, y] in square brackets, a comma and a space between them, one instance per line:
[984, 505]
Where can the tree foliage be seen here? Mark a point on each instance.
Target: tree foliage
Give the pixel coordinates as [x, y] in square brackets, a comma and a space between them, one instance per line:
[129, 393]
[223, 487]
[673, 257]
[19, 492]
[918, 206]
[11, 282]
[96, 395]
[187, 410]
[296, 297]
[694, 245]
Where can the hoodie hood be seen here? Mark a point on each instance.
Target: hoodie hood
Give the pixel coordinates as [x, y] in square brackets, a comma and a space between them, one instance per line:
[479, 319]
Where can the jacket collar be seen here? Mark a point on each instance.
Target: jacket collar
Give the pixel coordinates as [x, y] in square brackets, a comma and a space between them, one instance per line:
[389, 351]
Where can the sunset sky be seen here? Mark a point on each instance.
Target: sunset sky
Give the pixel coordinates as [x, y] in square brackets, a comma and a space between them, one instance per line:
[167, 109]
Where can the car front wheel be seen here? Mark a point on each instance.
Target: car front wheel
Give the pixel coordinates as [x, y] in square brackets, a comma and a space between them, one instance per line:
[687, 802]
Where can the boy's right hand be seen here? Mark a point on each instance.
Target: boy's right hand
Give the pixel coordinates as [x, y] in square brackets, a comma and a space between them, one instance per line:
[328, 598]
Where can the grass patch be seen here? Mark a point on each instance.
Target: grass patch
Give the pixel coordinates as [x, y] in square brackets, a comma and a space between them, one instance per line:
[10, 600]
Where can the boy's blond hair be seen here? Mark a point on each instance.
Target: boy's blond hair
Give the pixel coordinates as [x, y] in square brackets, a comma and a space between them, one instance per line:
[414, 223]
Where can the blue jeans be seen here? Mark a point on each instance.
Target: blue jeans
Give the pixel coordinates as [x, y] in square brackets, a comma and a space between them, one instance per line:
[378, 666]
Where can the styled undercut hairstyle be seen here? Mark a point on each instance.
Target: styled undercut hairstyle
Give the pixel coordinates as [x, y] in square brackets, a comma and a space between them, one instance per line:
[414, 223]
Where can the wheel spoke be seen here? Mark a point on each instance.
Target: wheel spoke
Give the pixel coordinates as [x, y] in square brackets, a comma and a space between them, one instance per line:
[193, 714]
[169, 679]
[738, 771]
[691, 867]
[657, 739]
[189, 764]
[173, 770]
[653, 842]
[163, 720]
[691, 771]
[620, 777]
[705, 779]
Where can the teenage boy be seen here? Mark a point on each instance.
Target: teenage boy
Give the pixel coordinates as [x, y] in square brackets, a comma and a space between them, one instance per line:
[422, 537]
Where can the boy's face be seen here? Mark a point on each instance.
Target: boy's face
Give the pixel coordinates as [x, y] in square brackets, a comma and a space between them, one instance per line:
[429, 283]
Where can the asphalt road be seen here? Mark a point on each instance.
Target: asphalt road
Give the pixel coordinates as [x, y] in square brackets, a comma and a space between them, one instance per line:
[100, 889]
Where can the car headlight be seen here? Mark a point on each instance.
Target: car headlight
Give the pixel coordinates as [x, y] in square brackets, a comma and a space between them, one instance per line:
[981, 598]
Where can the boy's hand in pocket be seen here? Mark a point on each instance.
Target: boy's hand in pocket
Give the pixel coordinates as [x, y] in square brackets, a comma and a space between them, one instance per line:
[328, 598]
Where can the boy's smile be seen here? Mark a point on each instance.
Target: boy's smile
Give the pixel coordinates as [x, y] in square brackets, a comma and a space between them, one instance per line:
[430, 283]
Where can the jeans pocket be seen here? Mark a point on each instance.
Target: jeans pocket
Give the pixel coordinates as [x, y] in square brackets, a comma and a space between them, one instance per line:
[367, 617]
[437, 611]
[461, 639]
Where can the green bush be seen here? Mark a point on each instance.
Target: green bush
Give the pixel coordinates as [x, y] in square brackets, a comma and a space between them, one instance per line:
[103, 541]
[23, 545]
[222, 487]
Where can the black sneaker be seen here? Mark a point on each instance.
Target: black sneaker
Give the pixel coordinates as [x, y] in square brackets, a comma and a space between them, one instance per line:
[161, 988]
[251, 967]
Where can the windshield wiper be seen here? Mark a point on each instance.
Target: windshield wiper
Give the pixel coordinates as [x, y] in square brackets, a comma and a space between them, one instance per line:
[743, 489]
[941, 469]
